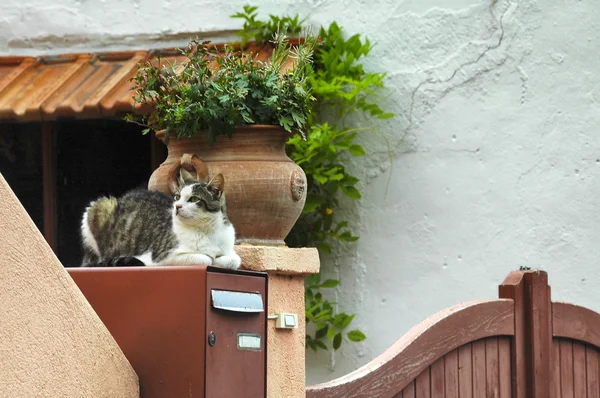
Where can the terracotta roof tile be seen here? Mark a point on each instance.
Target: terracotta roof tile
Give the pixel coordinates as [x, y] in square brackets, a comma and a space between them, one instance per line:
[79, 85]
[75, 85]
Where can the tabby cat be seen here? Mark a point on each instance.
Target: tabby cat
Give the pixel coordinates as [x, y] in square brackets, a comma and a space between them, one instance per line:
[145, 227]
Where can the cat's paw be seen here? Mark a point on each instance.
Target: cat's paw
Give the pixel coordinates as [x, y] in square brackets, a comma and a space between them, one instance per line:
[232, 261]
[200, 259]
[188, 259]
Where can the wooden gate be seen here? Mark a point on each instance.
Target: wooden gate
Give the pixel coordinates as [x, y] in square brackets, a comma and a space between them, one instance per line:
[521, 346]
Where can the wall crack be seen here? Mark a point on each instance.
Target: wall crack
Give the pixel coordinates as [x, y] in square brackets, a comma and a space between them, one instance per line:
[429, 81]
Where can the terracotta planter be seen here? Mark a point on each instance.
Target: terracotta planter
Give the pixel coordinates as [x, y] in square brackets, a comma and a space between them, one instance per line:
[265, 190]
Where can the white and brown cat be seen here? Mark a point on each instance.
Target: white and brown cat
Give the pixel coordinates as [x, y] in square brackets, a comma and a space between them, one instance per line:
[149, 228]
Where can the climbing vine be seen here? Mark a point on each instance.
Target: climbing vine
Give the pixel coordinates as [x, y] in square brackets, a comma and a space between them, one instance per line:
[341, 86]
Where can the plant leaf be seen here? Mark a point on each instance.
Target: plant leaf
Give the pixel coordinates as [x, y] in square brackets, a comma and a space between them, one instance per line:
[356, 335]
[324, 247]
[346, 322]
[330, 283]
[357, 150]
[351, 192]
[322, 332]
[331, 333]
[337, 341]
[320, 345]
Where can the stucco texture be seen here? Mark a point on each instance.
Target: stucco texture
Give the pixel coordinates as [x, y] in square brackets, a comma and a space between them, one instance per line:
[495, 149]
[52, 344]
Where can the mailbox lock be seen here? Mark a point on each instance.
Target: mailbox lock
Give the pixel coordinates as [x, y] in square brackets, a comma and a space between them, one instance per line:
[212, 338]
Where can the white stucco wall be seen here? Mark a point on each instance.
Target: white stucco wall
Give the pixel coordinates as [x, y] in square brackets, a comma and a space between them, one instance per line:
[496, 151]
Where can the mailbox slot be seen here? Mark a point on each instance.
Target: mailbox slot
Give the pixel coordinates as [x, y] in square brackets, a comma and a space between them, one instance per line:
[247, 302]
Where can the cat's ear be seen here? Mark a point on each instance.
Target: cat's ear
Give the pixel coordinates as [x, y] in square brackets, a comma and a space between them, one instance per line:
[217, 185]
[174, 187]
[185, 177]
[180, 181]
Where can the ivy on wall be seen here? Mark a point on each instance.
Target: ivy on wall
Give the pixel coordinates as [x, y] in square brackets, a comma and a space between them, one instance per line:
[341, 86]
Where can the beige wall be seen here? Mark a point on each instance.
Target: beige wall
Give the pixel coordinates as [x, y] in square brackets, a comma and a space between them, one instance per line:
[52, 344]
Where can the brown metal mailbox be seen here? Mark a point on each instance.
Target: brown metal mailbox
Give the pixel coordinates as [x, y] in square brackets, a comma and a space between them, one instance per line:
[189, 331]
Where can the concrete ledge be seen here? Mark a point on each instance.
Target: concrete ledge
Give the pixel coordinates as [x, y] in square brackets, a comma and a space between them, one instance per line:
[279, 260]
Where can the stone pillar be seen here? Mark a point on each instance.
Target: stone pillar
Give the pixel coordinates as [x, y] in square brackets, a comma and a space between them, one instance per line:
[287, 269]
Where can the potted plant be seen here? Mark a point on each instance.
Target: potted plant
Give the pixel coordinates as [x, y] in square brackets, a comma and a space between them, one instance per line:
[234, 112]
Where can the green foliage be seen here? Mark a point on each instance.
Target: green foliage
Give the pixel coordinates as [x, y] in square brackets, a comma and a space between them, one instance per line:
[340, 81]
[341, 86]
[326, 176]
[262, 31]
[194, 96]
[327, 323]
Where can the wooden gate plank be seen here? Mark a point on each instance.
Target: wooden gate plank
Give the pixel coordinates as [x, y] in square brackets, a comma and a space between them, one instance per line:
[593, 387]
[566, 369]
[451, 374]
[579, 372]
[491, 368]
[504, 367]
[555, 370]
[478, 348]
[437, 378]
[409, 391]
[465, 372]
[422, 384]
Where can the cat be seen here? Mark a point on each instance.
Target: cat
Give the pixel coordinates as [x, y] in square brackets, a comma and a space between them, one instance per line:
[146, 227]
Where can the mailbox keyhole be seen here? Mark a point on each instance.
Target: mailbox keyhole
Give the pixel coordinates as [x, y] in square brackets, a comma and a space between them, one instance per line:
[212, 338]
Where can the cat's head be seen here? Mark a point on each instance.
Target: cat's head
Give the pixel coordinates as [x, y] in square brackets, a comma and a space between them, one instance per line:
[198, 201]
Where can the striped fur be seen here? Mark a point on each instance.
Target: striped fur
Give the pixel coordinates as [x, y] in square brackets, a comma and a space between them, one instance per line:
[149, 228]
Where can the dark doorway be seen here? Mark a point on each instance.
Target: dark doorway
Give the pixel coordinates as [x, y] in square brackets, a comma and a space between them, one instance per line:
[92, 158]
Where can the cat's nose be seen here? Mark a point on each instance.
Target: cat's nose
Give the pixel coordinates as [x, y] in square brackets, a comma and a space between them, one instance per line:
[177, 207]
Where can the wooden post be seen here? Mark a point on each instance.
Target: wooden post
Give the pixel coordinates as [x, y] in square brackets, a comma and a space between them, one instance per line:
[540, 313]
[532, 344]
[513, 288]
[49, 183]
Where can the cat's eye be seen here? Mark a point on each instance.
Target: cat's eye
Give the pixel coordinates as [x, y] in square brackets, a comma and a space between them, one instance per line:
[193, 199]
[177, 197]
